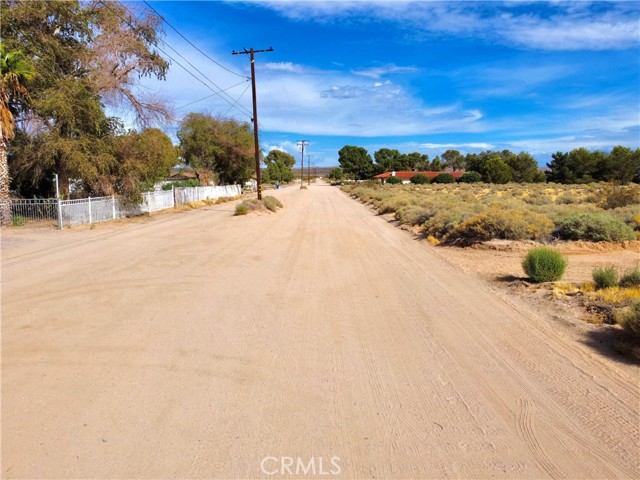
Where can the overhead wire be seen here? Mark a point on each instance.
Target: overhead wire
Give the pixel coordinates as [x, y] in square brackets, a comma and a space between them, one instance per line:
[190, 43]
[214, 94]
[220, 91]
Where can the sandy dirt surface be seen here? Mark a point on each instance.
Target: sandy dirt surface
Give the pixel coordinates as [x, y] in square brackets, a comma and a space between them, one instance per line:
[203, 345]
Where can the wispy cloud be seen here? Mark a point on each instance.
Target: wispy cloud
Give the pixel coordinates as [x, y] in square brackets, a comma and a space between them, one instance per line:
[378, 72]
[457, 146]
[283, 67]
[555, 26]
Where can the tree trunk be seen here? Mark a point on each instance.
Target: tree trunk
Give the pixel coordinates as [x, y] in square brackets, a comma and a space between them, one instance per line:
[5, 206]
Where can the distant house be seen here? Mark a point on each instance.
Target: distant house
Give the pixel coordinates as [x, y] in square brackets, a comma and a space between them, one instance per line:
[176, 177]
[407, 176]
[181, 177]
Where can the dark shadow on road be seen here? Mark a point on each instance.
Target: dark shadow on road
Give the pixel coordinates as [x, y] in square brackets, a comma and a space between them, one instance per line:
[603, 341]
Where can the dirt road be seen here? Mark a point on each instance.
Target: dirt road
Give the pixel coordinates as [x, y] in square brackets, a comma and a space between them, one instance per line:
[202, 345]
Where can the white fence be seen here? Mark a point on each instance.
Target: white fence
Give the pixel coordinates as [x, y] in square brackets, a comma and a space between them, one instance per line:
[197, 194]
[99, 209]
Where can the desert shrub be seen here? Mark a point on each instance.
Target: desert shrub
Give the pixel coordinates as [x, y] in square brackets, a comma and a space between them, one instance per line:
[615, 196]
[543, 264]
[249, 206]
[605, 277]
[567, 199]
[444, 222]
[419, 179]
[595, 227]
[241, 209]
[537, 199]
[272, 203]
[470, 177]
[631, 320]
[414, 214]
[444, 178]
[629, 215]
[393, 203]
[394, 180]
[631, 278]
[504, 224]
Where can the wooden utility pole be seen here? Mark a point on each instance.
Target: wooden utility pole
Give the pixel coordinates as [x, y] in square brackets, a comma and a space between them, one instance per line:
[302, 143]
[251, 52]
[309, 170]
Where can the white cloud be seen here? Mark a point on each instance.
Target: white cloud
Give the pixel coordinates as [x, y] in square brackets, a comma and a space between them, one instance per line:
[572, 26]
[283, 67]
[378, 72]
[457, 146]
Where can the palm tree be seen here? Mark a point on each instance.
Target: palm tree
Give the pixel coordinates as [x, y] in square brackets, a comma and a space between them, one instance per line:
[15, 71]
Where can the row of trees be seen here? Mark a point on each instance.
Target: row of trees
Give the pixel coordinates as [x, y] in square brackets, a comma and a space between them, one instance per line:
[225, 147]
[621, 165]
[62, 65]
[63, 62]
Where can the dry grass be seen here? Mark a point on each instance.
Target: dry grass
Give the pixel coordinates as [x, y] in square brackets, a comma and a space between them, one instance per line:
[529, 211]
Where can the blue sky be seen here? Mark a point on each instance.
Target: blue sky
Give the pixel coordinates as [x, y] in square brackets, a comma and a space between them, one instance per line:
[416, 76]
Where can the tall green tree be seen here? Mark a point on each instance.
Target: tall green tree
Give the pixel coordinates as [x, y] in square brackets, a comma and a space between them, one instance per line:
[417, 161]
[279, 166]
[390, 160]
[624, 165]
[524, 168]
[15, 72]
[144, 158]
[436, 165]
[222, 145]
[454, 159]
[497, 171]
[356, 161]
[82, 53]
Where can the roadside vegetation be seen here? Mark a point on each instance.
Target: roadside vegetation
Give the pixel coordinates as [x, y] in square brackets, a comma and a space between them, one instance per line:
[268, 203]
[464, 213]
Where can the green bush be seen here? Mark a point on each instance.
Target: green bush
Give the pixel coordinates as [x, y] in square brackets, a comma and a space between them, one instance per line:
[444, 178]
[18, 220]
[543, 264]
[470, 177]
[631, 320]
[605, 277]
[186, 183]
[241, 209]
[594, 227]
[631, 278]
[272, 203]
[419, 179]
[394, 180]
[504, 224]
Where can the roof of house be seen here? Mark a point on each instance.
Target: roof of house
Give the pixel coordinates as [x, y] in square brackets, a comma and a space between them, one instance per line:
[181, 176]
[408, 175]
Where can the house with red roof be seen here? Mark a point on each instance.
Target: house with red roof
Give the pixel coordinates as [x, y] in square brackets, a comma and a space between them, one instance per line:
[407, 176]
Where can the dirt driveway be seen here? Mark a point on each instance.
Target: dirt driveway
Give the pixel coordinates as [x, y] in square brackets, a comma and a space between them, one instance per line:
[202, 345]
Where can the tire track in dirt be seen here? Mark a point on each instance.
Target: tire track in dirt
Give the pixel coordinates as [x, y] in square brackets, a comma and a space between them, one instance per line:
[321, 330]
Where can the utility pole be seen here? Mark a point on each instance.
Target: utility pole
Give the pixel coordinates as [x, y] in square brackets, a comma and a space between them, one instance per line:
[251, 52]
[309, 170]
[302, 143]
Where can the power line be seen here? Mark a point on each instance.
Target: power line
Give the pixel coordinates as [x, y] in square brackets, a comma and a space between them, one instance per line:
[220, 90]
[237, 100]
[190, 43]
[214, 94]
